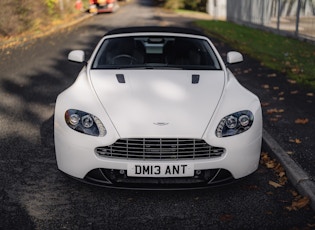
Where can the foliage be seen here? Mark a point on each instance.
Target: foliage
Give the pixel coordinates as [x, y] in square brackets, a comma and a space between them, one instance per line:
[20, 16]
[51, 6]
[196, 5]
[173, 4]
[286, 55]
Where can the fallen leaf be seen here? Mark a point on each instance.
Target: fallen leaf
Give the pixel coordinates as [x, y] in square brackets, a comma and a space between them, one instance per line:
[294, 193]
[310, 94]
[290, 152]
[282, 174]
[274, 184]
[295, 70]
[281, 93]
[281, 98]
[265, 86]
[278, 167]
[296, 140]
[294, 92]
[276, 88]
[283, 180]
[267, 160]
[264, 155]
[226, 217]
[301, 121]
[291, 81]
[270, 164]
[272, 75]
[298, 204]
[270, 111]
[264, 104]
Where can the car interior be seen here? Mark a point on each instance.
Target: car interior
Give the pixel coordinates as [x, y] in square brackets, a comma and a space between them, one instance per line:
[172, 52]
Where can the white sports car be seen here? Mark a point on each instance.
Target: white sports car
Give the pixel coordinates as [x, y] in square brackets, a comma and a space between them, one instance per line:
[157, 108]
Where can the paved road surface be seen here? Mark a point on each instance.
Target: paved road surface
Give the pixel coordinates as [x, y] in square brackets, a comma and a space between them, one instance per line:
[35, 195]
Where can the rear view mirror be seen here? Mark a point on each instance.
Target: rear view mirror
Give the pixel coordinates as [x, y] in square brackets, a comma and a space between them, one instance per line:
[234, 57]
[76, 56]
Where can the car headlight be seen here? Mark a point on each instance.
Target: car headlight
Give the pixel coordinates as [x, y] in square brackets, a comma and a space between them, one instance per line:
[84, 123]
[235, 123]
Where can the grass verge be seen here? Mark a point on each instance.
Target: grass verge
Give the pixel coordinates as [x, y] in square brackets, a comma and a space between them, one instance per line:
[294, 58]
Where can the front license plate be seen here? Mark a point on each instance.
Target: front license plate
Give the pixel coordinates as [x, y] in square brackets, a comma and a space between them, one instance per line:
[160, 170]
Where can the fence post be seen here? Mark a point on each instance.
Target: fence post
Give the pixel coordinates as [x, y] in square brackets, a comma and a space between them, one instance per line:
[297, 18]
[61, 5]
[263, 13]
[278, 16]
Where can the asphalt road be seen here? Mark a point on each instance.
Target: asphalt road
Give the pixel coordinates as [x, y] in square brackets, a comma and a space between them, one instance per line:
[35, 195]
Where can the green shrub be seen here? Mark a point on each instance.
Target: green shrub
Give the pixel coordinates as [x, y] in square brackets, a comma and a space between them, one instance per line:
[196, 5]
[173, 4]
[20, 16]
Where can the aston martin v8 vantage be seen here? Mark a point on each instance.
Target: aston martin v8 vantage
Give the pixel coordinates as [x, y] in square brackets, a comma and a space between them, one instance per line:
[157, 108]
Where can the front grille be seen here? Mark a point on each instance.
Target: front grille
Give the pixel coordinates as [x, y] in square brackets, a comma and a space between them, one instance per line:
[160, 149]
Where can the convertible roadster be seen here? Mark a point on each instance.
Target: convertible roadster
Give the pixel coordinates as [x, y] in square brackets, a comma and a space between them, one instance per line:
[157, 108]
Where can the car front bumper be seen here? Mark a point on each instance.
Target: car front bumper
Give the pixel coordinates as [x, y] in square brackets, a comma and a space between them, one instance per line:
[77, 157]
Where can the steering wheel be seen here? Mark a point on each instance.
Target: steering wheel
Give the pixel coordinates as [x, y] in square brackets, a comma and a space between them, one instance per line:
[123, 59]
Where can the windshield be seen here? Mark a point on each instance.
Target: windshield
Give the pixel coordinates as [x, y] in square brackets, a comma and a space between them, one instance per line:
[156, 52]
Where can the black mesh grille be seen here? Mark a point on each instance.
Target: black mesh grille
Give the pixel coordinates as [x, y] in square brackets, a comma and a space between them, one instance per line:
[119, 179]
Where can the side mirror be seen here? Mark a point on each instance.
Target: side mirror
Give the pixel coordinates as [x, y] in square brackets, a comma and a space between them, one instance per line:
[234, 57]
[76, 56]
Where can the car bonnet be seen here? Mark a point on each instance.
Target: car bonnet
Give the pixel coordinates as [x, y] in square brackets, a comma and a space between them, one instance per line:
[159, 103]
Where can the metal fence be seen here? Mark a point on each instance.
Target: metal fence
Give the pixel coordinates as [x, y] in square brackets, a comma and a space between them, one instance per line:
[292, 17]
